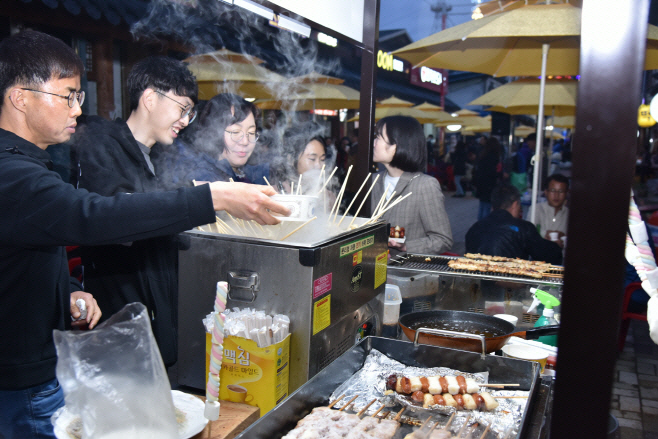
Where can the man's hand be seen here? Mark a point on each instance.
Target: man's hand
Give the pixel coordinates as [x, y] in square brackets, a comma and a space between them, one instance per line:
[93, 311]
[559, 240]
[247, 201]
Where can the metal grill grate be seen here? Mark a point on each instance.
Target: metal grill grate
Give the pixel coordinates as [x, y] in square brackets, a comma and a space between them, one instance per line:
[439, 264]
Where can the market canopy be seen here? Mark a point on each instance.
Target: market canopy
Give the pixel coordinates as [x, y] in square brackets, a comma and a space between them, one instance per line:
[382, 112]
[394, 102]
[522, 97]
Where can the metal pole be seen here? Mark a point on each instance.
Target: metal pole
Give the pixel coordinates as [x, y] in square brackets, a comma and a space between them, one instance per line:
[368, 87]
[539, 145]
[613, 34]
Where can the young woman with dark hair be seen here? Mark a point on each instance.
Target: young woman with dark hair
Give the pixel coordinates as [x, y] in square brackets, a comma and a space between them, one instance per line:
[400, 146]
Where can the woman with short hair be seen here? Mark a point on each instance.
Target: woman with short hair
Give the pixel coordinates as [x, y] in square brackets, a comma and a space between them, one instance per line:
[400, 146]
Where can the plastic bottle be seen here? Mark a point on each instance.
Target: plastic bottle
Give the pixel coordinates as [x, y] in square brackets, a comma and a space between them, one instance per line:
[547, 318]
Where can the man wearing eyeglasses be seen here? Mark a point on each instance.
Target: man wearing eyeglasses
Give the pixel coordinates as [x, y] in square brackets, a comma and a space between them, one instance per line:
[114, 157]
[551, 217]
[41, 97]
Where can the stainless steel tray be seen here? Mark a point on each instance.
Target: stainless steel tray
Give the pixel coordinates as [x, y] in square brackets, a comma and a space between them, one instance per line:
[316, 391]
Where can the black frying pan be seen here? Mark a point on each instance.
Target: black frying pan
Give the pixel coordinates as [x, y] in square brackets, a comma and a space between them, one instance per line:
[496, 331]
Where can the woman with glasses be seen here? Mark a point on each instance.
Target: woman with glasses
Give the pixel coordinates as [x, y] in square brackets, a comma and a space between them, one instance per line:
[218, 147]
[400, 146]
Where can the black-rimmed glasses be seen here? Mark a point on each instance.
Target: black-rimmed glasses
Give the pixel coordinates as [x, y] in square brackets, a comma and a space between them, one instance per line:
[236, 136]
[72, 97]
[185, 110]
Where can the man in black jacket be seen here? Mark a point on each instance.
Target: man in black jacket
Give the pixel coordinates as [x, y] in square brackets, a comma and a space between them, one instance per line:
[503, 233]
[41, 98]
[114, 157]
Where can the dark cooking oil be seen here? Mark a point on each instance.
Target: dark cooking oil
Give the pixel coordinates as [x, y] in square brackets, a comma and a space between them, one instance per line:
[456, 327]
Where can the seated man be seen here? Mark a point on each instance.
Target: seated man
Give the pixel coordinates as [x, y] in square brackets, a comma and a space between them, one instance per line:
[552, 215]
[503, 233]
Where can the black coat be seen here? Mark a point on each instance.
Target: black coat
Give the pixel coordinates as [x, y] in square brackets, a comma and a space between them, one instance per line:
[500, 234]
[41, 214]
[487, 174]
[109, 162]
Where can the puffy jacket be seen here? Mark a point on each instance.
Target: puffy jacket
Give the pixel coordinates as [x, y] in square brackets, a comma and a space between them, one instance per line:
[40, 215]
[500, 234]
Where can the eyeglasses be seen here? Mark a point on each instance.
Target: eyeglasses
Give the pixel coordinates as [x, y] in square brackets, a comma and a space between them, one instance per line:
[185, 110]
[72, 97]
[236, 136]
[557, 191]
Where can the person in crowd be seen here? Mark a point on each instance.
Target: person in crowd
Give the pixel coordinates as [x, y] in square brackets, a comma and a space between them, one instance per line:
[114, 157]
[488, 173]
[503, 233]
[430, 149]
[304, 154]
[41, 98]
[219, 147]
[458, 159]
[552, 216]
[400, 146]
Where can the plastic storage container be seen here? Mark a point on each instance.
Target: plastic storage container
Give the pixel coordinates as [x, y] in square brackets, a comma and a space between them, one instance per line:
[392, 301]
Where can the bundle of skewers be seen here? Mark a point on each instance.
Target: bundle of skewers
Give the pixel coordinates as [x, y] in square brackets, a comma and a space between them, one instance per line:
[428, 430]
[281, 231]
[324, 422]
[503, 265]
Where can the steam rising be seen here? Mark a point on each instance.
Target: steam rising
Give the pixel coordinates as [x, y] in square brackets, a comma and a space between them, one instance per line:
[205, 26]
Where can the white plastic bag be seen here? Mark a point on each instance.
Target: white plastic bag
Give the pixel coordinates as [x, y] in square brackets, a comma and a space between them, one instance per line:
[114, 378]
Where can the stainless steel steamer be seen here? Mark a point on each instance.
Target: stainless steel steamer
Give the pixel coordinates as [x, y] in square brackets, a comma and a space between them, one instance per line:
[330, 283]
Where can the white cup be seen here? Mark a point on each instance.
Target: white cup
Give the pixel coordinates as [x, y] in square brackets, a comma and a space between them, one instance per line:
[302, 207]
[509, 317]
[564, 240]
[554, 236]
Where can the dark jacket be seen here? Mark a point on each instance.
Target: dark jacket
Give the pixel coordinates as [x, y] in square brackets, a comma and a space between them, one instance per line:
[109, 162]
[458, 159]
[181, 163]
[500, 234]
[487, 174]
[41, 214]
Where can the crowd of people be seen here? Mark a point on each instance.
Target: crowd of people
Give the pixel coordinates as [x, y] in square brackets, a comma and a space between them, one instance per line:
[170, 166]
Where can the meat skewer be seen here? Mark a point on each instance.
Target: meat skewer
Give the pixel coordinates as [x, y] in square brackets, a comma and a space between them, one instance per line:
[348, 403]
[464, 426]
[336, 401]
[363, 410]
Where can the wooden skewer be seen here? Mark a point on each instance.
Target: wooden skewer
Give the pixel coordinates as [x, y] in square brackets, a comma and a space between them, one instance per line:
[450, 421]
[348, 403]
[324, 193]
[225, 224]
[498, 385]
[268, 183]
[354, 199]
[231, 180]
[364, 200]
[425, 422]
[429, 433]
[328, 179]
[486, 430]
[237, 223]
[386, 203]
[194, 182]
[340, 194]
[374, 415]
[259, 226]
[399, 415]
[336, 401]
[312, 219]
[464, 426]
[299, 185]
[398, 201]
[252, 228]
[363, 410]
[381, 200]
[292, 188]
[385, 415]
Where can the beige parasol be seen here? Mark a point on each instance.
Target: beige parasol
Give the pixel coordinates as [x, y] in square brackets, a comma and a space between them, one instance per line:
[426, 106]
[522, 97]
[315, 91]
[224, 71]
[420, 116]
[394, 102]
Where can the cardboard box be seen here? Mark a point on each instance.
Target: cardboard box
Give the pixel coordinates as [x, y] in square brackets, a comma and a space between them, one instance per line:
[253, 375]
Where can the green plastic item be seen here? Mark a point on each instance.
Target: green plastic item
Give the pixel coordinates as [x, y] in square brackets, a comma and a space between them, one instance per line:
[547, 318]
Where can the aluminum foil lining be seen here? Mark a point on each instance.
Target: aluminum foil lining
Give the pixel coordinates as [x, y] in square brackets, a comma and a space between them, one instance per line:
[370, 383]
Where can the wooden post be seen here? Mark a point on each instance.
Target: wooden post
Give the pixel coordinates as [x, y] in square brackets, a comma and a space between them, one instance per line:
[103, 75]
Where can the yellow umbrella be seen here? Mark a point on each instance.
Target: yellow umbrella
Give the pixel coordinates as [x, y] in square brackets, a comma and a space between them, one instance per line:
[466, 113]
[563, 122]
[394, 102]
[216, 74]
[476, 129]
[327, 96]
[314, 91]
[510, 43]
[498, 6]
[426, 106]
[522, 97]
[382, 112]
[524, 131]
